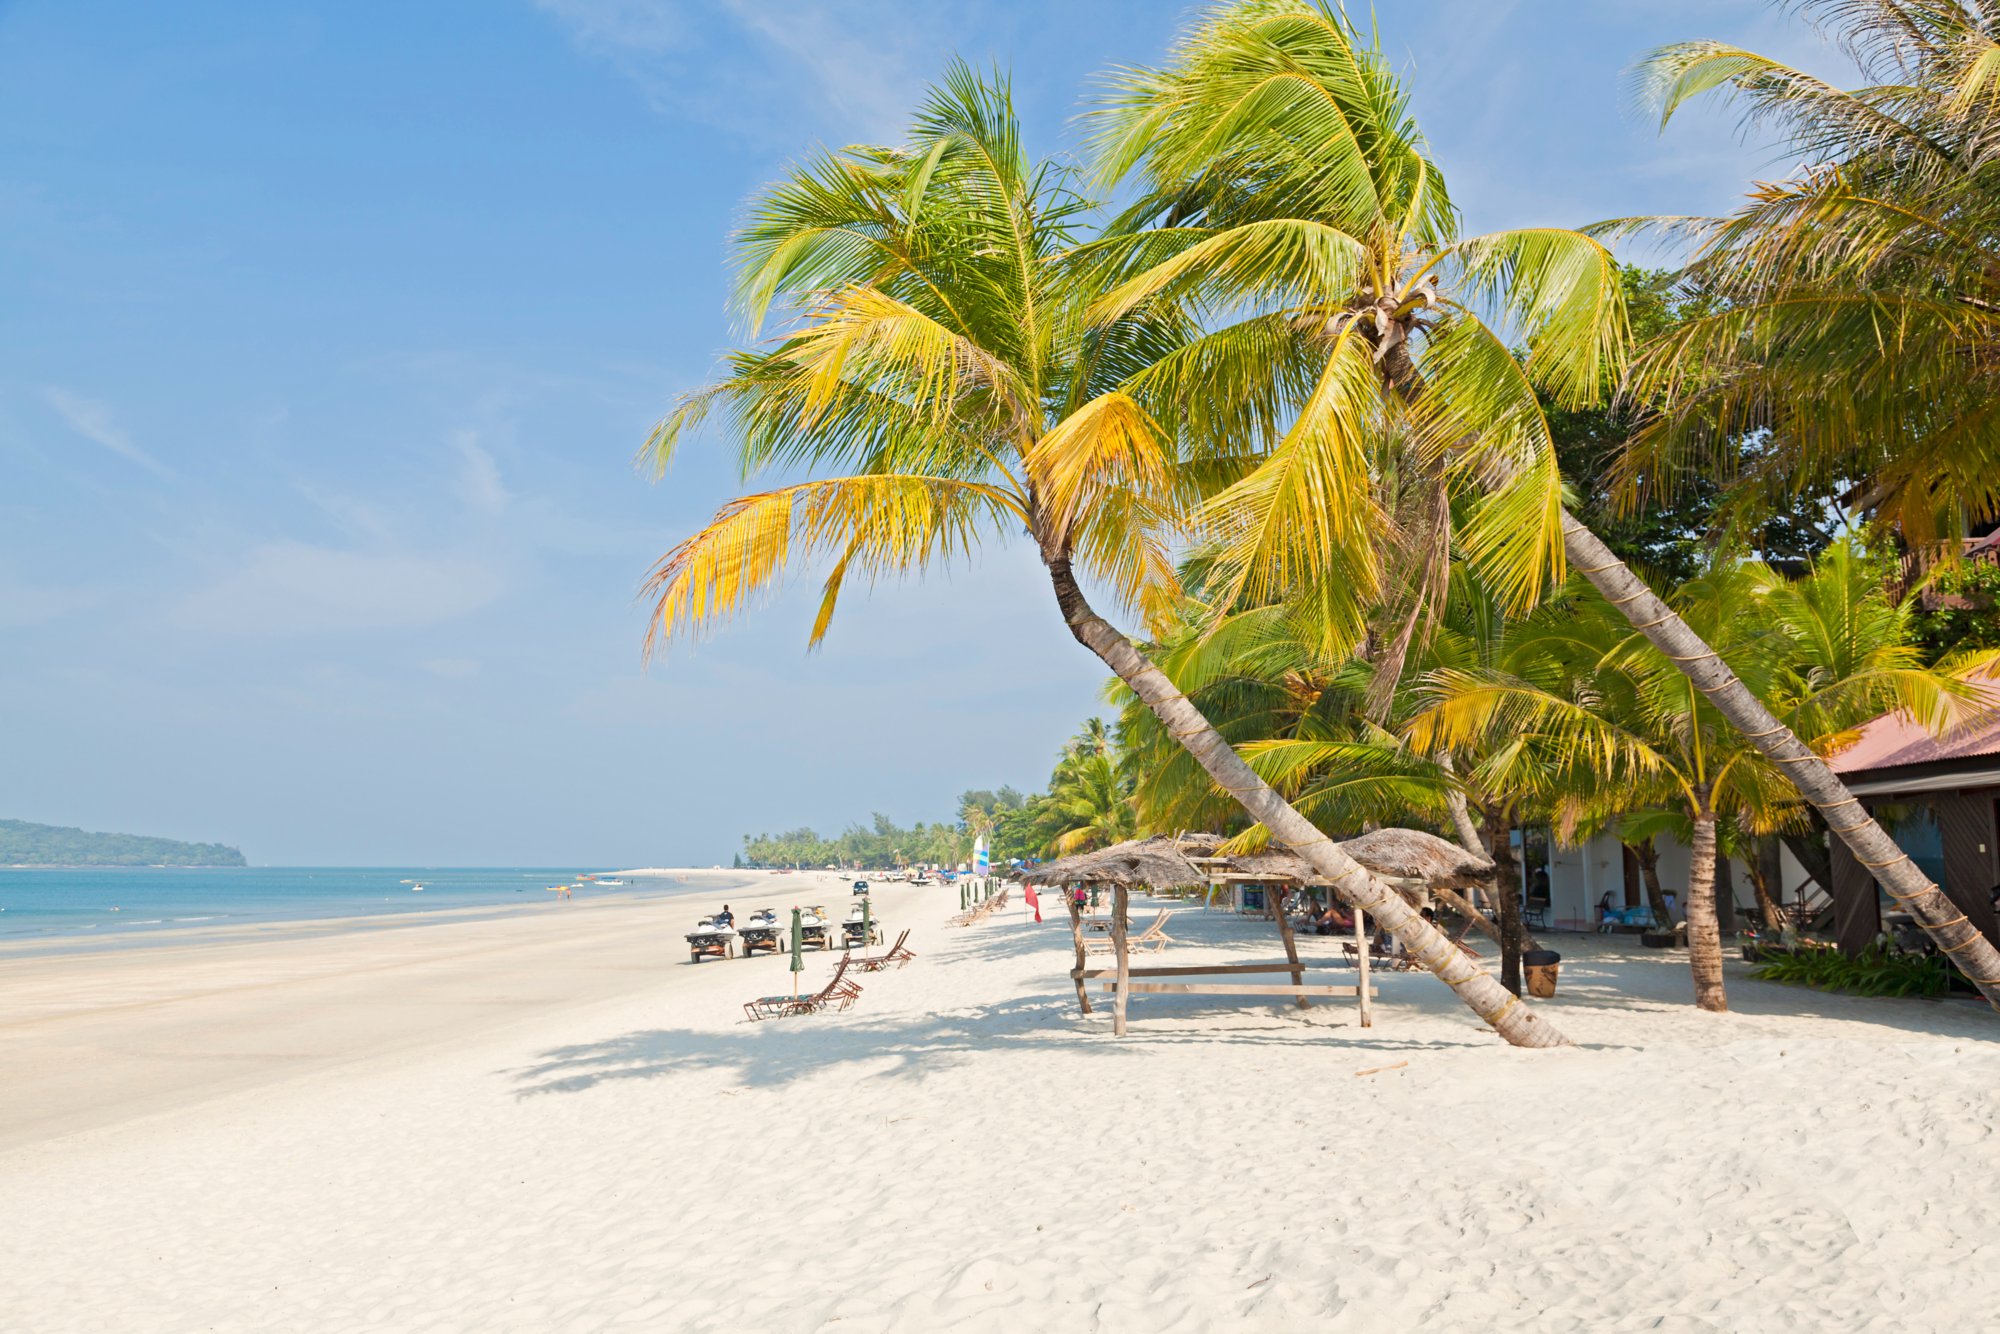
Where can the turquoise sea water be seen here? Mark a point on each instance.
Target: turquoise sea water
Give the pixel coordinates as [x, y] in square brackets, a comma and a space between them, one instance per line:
[65, 906]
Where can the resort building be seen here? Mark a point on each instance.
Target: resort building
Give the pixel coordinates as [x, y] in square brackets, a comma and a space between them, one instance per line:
[1939, 798]
[1579, 877]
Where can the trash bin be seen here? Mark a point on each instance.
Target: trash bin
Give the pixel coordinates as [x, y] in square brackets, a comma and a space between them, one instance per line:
[1541, 967]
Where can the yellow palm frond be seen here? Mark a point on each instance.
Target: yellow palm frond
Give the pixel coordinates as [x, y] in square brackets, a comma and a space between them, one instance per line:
[1479, 416]
[864, 336]
[1107, 445]
[1287, 261]
[881, 524]
[1562, 291]
[1309, 512]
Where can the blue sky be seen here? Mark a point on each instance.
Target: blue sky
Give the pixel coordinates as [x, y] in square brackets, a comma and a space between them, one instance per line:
[328, 333]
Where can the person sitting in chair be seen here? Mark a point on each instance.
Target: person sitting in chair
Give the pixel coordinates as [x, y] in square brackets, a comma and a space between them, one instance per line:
[1604, 913]
[1335, 918]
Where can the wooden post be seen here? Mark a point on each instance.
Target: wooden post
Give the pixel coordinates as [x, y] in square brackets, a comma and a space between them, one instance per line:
[1291, 948]
[1119, 896]
[1361, 955]
[1076, 934]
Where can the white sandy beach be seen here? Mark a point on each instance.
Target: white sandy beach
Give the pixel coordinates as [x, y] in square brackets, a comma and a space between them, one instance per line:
[962, 1151]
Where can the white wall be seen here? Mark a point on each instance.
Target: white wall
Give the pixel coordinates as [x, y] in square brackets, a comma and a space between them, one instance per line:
[1579, 876]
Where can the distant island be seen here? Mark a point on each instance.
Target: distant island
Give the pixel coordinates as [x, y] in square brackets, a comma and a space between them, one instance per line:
[24, 844]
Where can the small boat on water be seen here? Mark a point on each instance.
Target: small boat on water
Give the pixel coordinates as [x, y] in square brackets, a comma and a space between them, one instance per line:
[416, 889]
[710, 939]
[606, 880]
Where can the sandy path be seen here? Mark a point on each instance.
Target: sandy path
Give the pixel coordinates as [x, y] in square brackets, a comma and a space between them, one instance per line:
[961, 1151]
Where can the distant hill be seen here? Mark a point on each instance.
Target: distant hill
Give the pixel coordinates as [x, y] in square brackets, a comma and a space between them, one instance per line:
[24, 844]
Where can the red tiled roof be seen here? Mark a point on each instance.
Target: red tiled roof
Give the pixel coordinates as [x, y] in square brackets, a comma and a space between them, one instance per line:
[1897, 739]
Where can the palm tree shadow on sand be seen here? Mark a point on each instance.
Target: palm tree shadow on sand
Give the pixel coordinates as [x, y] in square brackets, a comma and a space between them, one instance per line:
[779, 1052]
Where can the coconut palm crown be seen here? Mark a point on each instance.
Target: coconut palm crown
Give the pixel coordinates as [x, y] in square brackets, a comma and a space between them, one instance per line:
[1382, 361]
[934, 350]
[1856, 300]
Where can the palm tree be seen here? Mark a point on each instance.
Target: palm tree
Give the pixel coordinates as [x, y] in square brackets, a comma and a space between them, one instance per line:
[1093, 799]
[1290, 209]
[1320, 730]
[1825, 654]
[941, 356]
[1853, 303]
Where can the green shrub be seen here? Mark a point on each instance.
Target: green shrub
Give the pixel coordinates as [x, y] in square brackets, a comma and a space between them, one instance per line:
[1878, 972]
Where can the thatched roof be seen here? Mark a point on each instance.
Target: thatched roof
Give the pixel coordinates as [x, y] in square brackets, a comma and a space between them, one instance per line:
[1156, 862]
[1161, 862]
[1404, 854]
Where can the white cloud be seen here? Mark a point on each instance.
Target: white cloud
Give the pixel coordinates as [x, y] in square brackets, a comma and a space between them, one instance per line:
[869, 85]
[92, 420]
[479, 484]
[752, 66]
[294, 588]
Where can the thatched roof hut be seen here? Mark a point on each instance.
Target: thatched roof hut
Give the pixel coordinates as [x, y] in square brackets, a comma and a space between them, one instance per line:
[1156, 862]
[1398, 854]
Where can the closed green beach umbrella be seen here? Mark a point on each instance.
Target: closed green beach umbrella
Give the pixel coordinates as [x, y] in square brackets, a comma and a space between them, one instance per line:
[798, 951]
[867, 931]
[962, 887]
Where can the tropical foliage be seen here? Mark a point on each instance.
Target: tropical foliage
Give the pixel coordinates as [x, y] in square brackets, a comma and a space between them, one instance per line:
[1875, 972]
[1603, 724]
[1856, 299]
[1088, 804]
[1313, 438]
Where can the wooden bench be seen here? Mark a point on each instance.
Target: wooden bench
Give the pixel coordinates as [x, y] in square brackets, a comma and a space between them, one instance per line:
[1139, 985]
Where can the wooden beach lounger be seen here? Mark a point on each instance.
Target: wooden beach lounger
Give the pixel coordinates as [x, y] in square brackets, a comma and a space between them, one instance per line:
[1154, 936]
[875, 963]
[838, 992]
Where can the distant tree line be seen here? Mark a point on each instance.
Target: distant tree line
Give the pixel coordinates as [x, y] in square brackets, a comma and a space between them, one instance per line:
[1088, 804]
[25, 844]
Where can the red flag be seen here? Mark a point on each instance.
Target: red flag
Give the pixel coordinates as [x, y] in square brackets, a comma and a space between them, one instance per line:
[1033, 901]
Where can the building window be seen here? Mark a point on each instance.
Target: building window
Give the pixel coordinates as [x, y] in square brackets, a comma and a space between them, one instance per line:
[1915, 829]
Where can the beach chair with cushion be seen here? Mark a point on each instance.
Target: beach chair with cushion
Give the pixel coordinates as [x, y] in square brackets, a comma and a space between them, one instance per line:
[838, 993]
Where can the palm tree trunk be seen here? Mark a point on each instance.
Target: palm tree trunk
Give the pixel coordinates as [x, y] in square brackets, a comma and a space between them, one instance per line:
[1469, 839]
[1649, 871]
[1954, 934]
[1507, 898]
[1509, 1016]
[1760, 885]
[1465, 908]
[1082, 955]
[1704, 932]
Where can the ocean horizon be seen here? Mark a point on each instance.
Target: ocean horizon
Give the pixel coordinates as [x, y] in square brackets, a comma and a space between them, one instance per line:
[70, 906]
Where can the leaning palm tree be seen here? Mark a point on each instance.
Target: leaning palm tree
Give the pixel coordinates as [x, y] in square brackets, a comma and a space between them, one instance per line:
[940, 356]
[1287, 197]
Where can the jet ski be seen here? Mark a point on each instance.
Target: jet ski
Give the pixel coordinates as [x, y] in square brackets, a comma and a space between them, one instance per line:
[711, 940]
[850, 930]
[762, 930]
[813, 929]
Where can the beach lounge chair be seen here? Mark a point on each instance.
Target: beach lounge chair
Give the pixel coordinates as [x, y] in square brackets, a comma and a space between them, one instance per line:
[875, 963]
[1154, 937]
[900, 953]
[838, 993]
